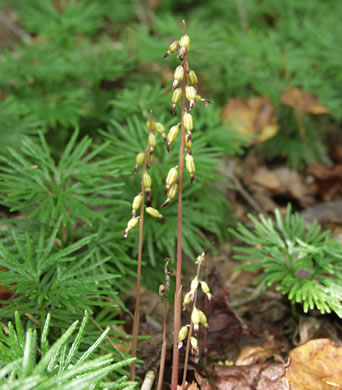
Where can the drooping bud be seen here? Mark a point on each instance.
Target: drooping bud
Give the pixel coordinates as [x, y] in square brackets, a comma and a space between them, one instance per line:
[170, 195]
[206, 290]
[178, 76]
[172, 136]
[190, 166]
[194, 283]
[139, 160]
[160, 129]
[188, 298]
[192, 78]
[190, 93]
[154, 213]
[188, 143]
[176, 97]
[188, 122]
[132, 223]
[203, 319]
[147, 185]
[195, 319]
[182, 335]
[184, 44]
[149, 159]
[194, 346]
[162, 290]
[198, 98]
[172, 48]
[136, 204]
[171, 178]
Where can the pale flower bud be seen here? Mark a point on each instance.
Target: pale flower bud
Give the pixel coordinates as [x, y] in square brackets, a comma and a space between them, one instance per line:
[188, 143]
[149, 159]
[194, 284]
[132, 223]
[170, 195]
[136, 204]
[182, 335]
[147, 185]
[154, 213]
[173, 133]
[195, 319]
[188, 122]
[206, 290]
[171, 178]
[198, 98]
[203, 319]
[172, 48]
[190, 166]
[194, 346]
[185, 41]
[192, 78]
[190, 93]
[152, 140]
[139, 160]
[188, 297]
[176, 97]
[160, 129]
[178, 76]
[200, 259]
[148, 125]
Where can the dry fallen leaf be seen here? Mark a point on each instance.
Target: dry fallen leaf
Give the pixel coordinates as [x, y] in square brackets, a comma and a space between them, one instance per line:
[316, 365]
[303, 101]
[254, 118]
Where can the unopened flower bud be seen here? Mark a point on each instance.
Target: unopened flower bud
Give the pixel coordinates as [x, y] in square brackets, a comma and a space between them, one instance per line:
[148, 125]
[190, 166]
[147, 185]
[162, 290]
[172, 136]
[172, 48]
[206, 290]
[171, 178]
[188, 122]
[170, 195]
[132, 223]
[149, 159]
[182, 335]
[185, 41]
[194, 284]
[198, 98]
[139, 160]
[154, 213]
[188, 297]
[188, 143]
[203, 319]
[136, 204]
[176, 97]
[190, 93]
[192, 78]
[194, 346]
[178, 76]
[200, 259]
[195, 319]
[152, 140]
[159, 128]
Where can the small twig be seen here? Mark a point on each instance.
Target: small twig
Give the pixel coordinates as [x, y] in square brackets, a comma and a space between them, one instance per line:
[148, 381]
[15, 29]
[243, 16]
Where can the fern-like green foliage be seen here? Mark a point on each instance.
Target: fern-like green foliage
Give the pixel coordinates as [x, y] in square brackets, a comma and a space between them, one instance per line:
[304, 262]
[28, 361]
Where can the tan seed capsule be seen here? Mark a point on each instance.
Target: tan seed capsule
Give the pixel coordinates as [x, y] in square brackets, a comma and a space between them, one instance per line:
[185, 41]
[192, 78]
[152, 140]
[188, 122]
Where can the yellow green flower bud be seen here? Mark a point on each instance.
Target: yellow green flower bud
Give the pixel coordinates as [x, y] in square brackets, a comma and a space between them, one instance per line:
[139, 160]
[152, 140]
[147, 181]
[172, 48]
[205, 287]
[195, 316]
[198, 98]
[154, 213]
[194, 342]
[201, 258]
[159, 128]
[178, 76]
[136, 204]
[185, 41]
[188, 122]
[183, 333]
[149, 159]
[194, 284]
[188, 297]
[190, 93]
[171, 178]
[190, 166]
[162, 290]
[173, 133]
[176, 97]
[170, 195]
[192, 78]
[132, 223]
[203, 319]
[188, 143]
[148, 124]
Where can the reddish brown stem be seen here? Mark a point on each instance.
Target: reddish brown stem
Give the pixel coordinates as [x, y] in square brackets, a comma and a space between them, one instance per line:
[178, 295]
[137, 302]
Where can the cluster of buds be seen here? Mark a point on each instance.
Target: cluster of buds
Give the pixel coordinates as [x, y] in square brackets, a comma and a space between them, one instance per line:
[171, 185]
[145, 158]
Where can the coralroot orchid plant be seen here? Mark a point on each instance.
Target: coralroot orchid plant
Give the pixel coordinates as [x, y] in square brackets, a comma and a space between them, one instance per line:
[185, 89]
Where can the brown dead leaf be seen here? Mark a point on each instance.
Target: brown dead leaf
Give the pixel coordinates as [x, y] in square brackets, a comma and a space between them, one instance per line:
[252, 354]
[316, 365]
[303, 101]
[256, 376]
[188, 386]
[328, 179]
[254, 118]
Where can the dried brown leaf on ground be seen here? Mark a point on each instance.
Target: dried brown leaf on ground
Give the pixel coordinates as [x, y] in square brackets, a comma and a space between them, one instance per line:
[316, 365]
[304, 102]
[327, 179]
[254, 118]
